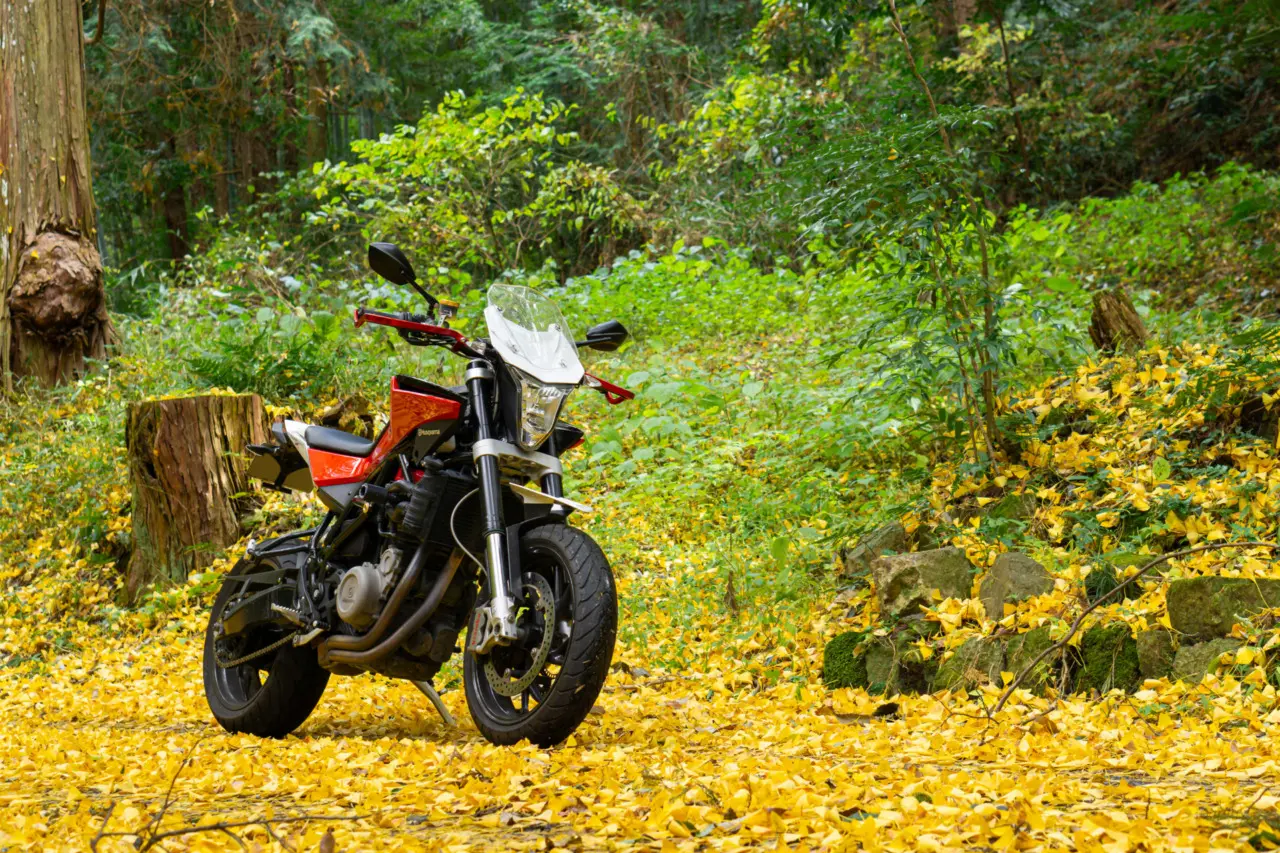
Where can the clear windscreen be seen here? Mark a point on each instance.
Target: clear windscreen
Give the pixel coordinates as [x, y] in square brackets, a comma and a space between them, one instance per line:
[531, 333]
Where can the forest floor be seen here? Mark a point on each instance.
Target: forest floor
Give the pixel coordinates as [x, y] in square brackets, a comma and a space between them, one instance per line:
[714, 731]
[119, 735]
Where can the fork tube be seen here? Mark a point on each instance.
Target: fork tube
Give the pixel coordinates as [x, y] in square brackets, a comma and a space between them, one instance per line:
[478, 372]
[552, 483]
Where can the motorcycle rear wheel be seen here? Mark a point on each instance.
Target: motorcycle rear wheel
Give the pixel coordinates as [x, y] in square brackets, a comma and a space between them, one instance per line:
[570, 673]
[239, 697]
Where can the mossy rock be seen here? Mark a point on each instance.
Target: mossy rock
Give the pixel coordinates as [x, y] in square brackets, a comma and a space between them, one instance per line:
[1012, 578]
[1155, 653]
[977, 661]
[844, 661]
[1207, 607]
[905, 583]
[1024, 648]
[895, 665]
[1017, 507]
[889, 538]
[1194, 662]
[882, 668]
[1110, 659]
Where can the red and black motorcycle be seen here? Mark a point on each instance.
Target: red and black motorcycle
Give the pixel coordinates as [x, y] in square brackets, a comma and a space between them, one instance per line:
[432, 528]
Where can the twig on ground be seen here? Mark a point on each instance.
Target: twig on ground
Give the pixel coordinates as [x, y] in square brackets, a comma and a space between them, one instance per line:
[146, 842]
[1075, 626]
[150, 836]
[106, 818]
[154, 824]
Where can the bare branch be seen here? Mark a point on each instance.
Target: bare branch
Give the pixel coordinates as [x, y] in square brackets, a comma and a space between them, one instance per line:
[102, 17]
[102, 831]
[154, 823]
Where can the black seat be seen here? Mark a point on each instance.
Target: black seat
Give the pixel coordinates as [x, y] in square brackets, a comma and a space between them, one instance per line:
[337, 441]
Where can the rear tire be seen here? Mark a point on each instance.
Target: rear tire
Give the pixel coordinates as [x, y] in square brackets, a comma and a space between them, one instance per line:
[240, 699]
[567, 686]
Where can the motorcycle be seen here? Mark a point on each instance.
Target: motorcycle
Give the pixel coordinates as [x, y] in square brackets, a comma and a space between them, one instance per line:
[431, 528]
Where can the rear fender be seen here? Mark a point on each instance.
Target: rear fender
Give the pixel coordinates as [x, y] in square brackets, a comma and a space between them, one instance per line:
[281, 466]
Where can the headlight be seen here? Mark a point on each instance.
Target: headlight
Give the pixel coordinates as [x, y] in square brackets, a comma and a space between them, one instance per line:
[539, 409]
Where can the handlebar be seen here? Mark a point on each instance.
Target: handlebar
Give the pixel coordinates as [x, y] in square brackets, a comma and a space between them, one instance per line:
[417, 329]
[389, 318]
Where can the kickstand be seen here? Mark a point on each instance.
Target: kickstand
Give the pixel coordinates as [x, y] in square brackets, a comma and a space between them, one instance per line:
[430, 692]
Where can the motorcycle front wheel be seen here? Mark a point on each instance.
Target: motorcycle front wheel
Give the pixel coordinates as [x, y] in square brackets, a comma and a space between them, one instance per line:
[543, 686]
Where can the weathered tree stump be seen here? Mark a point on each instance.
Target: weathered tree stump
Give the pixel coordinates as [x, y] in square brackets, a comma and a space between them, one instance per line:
[187, 468]
[1115, 325]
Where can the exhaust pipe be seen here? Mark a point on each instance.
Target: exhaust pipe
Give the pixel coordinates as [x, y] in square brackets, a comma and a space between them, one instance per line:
[397, 638]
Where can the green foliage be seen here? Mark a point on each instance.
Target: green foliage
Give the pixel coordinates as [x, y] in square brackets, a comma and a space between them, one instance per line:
[278, 358]
[1100, 581]
[479, 189]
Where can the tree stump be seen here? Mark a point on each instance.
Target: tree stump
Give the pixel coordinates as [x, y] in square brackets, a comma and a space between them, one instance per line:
[188, 472]
[1115, 325]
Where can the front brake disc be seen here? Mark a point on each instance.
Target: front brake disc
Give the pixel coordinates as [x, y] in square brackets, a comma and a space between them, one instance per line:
[539, 598]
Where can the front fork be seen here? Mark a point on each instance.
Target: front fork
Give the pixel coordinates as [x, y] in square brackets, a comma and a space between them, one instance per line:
[494, 623]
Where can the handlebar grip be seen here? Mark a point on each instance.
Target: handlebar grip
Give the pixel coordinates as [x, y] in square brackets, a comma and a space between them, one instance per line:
[365, 315]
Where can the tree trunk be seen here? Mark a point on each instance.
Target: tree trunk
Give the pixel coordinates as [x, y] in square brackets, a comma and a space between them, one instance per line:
[318, 113]
[174, 205]
[53, 311]
[187, 469]
[1115, 325]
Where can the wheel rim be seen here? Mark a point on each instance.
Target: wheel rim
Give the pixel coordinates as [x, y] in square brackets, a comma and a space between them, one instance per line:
[512, 682]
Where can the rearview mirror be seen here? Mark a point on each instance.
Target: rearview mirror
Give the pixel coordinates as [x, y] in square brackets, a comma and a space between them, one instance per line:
[605, 337]
[388, 261]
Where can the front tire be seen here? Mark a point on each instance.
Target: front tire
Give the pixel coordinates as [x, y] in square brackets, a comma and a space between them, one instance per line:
[566, 671]
[239, 697]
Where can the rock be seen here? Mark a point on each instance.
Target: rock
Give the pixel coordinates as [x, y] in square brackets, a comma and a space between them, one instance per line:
[894, 664]
[927, 538]
[1206, 608]
[1110, 659]
[882, 668]
[1024, 648]
[977, 661]
[1155, 653]
[1013, 577]
[1013, 506]
[1192, 663]
[891, 538]
[906, 582]
[844, 662]
[1100, 581]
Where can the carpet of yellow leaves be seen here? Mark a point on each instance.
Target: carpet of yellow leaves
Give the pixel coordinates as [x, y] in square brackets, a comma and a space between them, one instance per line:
[694, 760]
